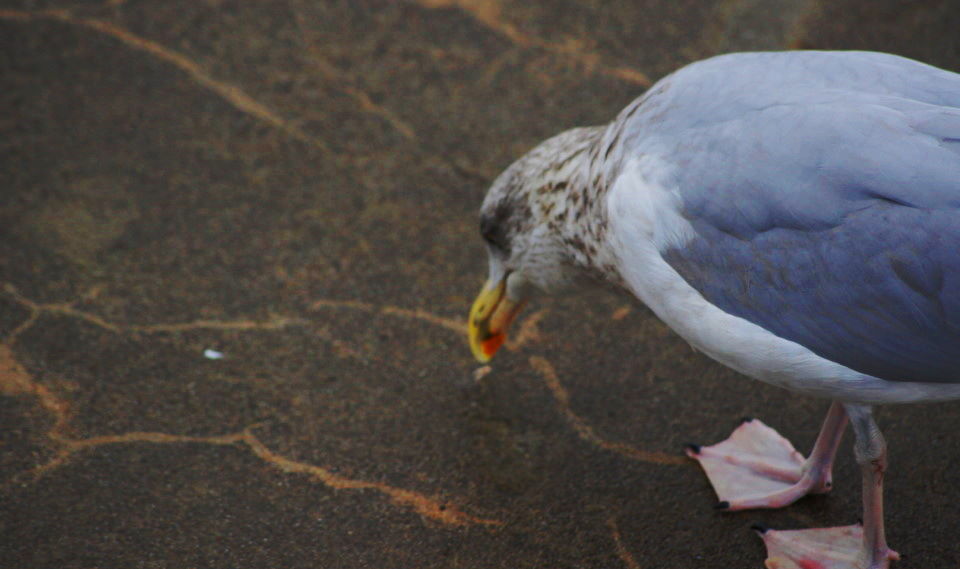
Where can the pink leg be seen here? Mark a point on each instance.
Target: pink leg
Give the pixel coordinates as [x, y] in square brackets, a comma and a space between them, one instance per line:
[849, 547]
[819, 467]
[871, 452]
[757, 468]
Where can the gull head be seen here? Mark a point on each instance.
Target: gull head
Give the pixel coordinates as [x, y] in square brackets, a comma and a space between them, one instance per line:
[535, 221]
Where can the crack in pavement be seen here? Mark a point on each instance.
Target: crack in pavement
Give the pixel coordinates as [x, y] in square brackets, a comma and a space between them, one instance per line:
[528, 333]
[489, 13]
[585, 431]
[622, 552]
[16, 381]
[240, 100]
[347, 84]
[68, 309]
[232, 94]
[418, 314]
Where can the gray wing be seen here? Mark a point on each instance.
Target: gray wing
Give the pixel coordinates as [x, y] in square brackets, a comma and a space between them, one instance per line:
[824, 191]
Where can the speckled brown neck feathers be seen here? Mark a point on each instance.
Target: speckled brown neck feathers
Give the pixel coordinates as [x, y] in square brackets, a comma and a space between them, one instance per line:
[571, 199]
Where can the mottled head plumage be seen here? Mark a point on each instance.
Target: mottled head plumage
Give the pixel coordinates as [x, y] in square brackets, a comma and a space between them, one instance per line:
[543, 216]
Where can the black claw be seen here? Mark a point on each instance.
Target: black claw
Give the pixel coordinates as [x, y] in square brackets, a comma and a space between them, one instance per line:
[695, 449]
[759, 528]
[721, 505]
[745, 420]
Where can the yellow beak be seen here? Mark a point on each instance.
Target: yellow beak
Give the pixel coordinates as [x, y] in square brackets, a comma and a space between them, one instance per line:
[490, 316]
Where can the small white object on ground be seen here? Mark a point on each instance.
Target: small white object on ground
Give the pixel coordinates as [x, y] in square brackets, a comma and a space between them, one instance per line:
[481, 372]
[212, 354]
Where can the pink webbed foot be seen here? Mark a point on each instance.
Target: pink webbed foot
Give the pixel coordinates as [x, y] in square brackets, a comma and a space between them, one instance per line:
[757, 468]
[824, 548]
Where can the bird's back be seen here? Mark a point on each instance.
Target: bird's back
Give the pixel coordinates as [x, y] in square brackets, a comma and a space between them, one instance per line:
[822, 193]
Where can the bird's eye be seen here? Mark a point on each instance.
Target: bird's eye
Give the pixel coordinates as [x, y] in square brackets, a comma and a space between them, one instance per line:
[490, 237]
[489, 231]
[493, 229]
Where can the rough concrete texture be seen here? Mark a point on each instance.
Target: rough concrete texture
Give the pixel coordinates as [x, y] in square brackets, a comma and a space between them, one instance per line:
[294, 184]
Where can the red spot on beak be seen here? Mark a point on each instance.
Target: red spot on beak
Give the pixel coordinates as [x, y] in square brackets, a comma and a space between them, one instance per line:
[493, 343]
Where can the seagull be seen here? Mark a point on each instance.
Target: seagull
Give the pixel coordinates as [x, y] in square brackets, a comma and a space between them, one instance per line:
[794, 216]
